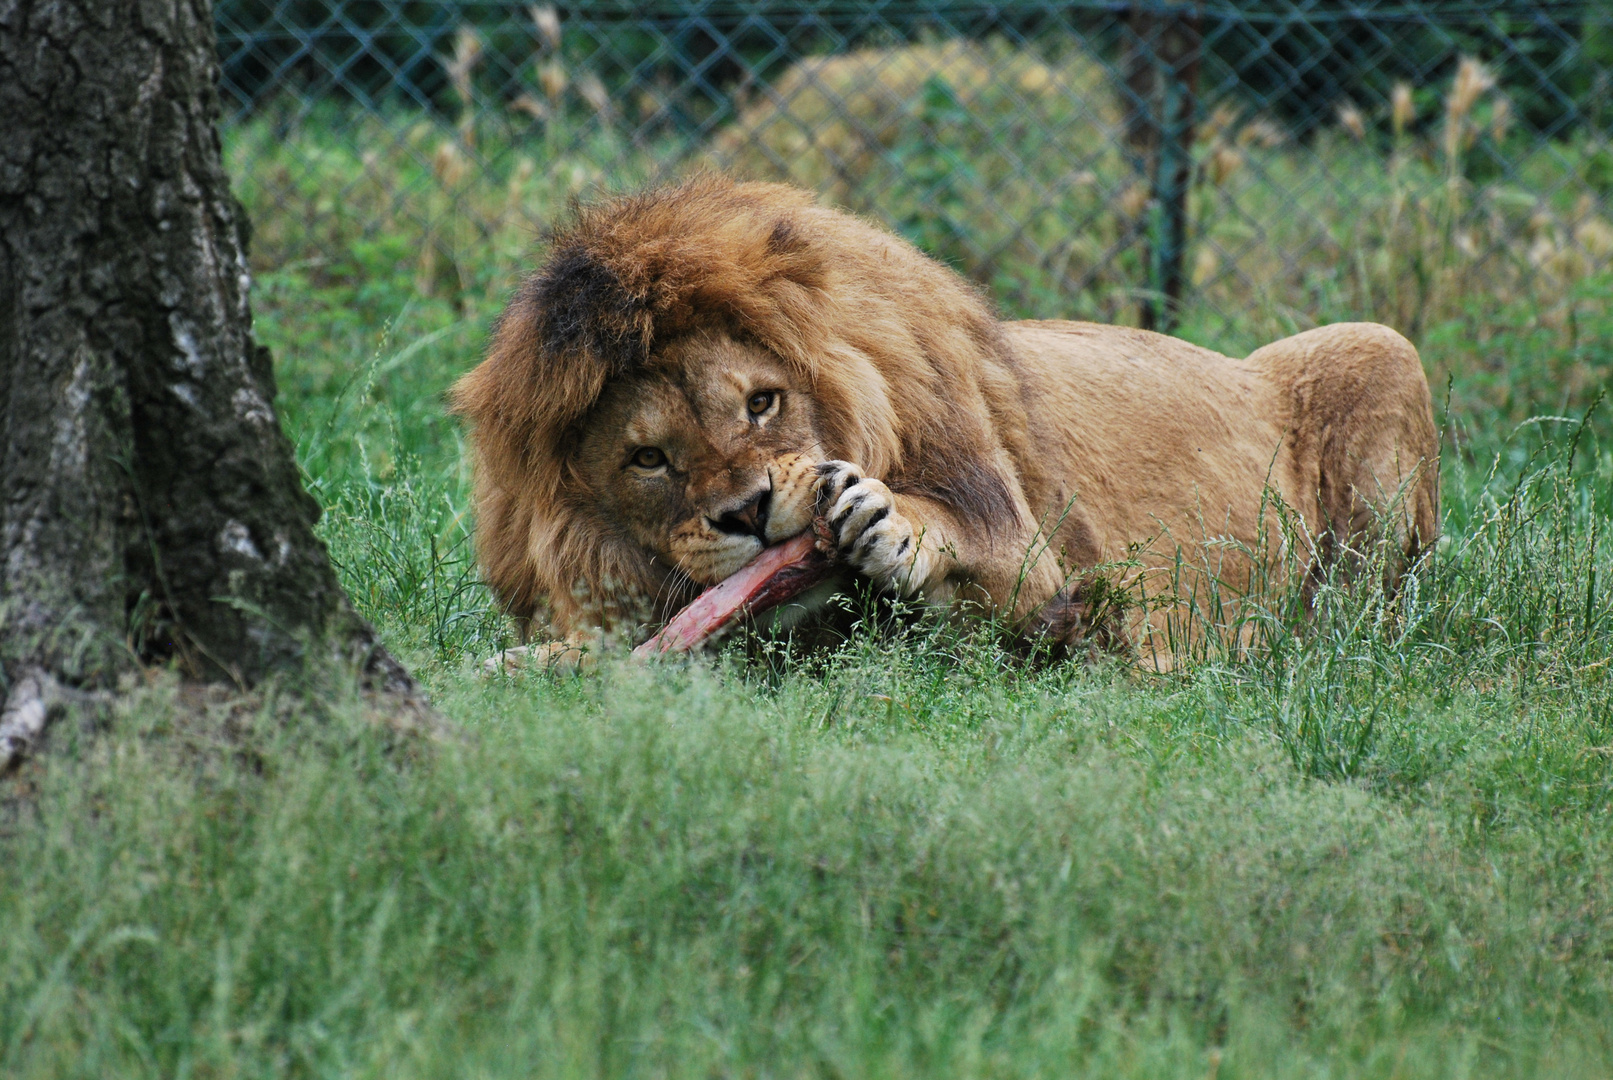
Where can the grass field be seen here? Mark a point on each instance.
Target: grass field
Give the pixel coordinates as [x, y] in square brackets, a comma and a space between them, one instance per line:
[1378, 848]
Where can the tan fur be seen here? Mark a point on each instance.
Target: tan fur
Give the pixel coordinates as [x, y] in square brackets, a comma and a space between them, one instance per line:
[1015, 456]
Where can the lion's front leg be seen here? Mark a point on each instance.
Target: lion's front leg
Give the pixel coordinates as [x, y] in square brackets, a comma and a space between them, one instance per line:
[872, 534]
[915, 545]
[563, 656]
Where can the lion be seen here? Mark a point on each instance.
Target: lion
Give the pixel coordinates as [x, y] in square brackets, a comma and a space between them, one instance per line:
[701, 370]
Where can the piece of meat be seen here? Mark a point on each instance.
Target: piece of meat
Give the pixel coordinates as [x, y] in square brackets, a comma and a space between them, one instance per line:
[779, 573]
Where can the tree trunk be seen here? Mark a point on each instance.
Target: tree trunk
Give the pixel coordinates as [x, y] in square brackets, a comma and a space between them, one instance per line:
[150, 507]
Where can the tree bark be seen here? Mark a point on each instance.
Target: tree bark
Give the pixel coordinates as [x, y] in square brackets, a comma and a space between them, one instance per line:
[150, 506]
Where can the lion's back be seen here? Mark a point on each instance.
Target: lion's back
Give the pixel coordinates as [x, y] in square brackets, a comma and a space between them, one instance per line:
[1144, 431]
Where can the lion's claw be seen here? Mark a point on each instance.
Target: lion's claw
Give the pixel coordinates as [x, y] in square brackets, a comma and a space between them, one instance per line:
[866, 530]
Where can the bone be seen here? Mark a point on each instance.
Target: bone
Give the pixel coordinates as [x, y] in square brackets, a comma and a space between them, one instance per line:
[778, 574]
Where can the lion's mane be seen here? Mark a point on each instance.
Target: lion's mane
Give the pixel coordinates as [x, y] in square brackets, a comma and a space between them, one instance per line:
[907, 363]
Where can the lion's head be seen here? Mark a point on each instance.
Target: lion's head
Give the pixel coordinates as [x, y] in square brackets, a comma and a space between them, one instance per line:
[656, 397]
[704, 455]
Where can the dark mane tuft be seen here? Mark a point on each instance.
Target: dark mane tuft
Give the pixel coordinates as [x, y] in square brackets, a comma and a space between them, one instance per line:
[583, 308]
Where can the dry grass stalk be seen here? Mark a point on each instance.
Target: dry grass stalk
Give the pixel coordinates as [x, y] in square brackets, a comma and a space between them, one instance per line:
[461, 71]
[1221, 119]
[1206, 264]
[552, 77]
[1350, 120]
[1473, 80]
[1402, 110]
[1595, 235]
[1223, 162]
[448, 164]
[1133, 200]
[592, 90]
[555, 76]
[530, 105]
[438, 260]
[655, 101]
[1261, 133]
[547, 22]
[1500, 117]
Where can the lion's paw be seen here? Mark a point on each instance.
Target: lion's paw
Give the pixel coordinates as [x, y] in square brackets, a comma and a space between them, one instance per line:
[867, 530]
[555, 656]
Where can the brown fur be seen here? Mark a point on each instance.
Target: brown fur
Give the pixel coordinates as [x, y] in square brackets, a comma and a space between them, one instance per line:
[1023, 454]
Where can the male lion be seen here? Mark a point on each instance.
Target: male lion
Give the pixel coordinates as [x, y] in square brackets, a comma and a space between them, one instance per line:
[699, 370]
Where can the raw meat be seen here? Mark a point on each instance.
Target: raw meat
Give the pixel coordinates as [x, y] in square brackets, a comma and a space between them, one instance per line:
[779, 573]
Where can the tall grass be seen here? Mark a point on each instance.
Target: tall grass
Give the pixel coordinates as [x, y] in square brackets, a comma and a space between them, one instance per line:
[680, 873]
[1008, 162]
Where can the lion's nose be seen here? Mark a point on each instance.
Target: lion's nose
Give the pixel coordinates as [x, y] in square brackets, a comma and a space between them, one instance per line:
[749, 519]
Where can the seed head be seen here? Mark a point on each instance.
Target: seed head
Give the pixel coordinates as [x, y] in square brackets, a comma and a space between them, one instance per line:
[1350, 120]
[552, 77]
[1472, 80]
[467, 54]
[592, 90]
[547, 21]
[1224, 161]
[1500, 118]
[449, 164]
[1401, 109]
[1134, 200]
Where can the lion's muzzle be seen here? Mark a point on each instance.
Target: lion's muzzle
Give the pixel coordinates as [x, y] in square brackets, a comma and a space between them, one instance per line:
[721, 539]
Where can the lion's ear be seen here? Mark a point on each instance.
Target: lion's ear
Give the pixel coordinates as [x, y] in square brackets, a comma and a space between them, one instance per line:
[569, 330]
[793, 257]
[583, 310]
[785, 239]
[525, 393]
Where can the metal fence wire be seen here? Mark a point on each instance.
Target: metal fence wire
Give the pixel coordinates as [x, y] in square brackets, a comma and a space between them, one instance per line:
[1242, 167]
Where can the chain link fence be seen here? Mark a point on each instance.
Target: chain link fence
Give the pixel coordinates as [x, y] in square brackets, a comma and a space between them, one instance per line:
[1230, 170]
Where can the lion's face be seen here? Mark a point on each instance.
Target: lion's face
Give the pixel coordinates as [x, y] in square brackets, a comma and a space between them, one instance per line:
[705, 456]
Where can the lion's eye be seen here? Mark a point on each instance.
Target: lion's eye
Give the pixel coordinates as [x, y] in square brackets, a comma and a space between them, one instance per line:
[649, 457]
[761, 401]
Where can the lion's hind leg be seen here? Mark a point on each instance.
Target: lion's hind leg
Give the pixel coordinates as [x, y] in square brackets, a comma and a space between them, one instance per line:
[1361, 451]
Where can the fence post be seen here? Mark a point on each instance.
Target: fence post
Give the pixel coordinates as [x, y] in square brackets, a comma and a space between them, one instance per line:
[1161, 70]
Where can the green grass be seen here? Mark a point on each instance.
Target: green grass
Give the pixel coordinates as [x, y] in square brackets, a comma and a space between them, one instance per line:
[1376, 848]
